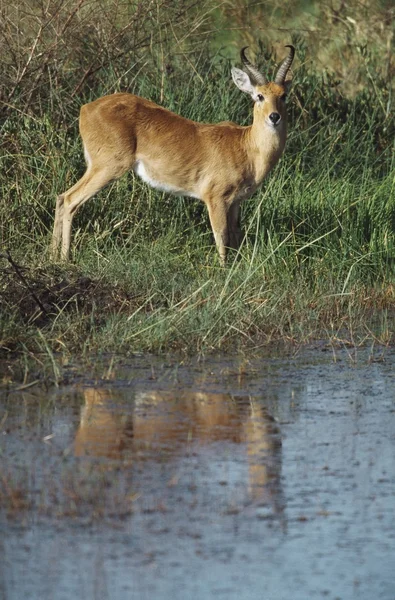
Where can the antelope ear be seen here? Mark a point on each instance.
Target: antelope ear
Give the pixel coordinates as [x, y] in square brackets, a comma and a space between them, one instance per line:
[242, 81]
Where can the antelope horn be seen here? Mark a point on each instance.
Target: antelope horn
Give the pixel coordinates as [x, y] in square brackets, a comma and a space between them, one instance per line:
[256, 76]
[283, 70]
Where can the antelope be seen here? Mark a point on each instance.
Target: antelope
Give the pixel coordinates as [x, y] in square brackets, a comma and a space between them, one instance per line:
[220, 164]
[164, 425]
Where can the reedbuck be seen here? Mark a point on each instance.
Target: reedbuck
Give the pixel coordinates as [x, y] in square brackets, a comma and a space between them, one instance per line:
[220, 164]
[162, 426]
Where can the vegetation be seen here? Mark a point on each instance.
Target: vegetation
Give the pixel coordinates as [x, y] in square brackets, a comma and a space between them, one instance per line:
[318, 257]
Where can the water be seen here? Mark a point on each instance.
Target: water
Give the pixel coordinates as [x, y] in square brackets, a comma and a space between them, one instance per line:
[224, 479]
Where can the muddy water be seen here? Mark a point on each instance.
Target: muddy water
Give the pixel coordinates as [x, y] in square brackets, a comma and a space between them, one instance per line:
[269, 479]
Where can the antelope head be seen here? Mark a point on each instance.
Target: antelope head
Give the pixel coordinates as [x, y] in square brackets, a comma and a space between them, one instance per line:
[268, 96]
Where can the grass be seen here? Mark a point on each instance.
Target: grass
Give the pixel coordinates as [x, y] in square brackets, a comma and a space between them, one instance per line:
[317, 260]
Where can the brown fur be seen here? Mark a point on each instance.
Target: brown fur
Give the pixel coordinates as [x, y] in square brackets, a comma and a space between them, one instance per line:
[220, 164]
[170, 420]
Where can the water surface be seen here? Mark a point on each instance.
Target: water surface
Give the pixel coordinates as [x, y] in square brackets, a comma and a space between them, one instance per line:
[264, 479]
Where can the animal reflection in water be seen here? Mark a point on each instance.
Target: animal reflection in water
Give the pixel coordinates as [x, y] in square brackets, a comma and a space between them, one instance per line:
[164, 425]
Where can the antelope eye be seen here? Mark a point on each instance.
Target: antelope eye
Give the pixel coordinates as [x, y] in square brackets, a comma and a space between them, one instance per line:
[260, 98]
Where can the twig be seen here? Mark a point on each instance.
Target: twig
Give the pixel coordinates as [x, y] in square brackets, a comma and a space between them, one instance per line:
[25, 282]
[25, 386]
[50, 51]
[29, 59]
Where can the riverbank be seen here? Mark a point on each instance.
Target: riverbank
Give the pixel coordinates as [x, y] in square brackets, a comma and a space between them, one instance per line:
[317, 261]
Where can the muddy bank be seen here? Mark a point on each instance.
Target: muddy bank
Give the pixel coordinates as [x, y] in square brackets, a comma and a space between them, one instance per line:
[49, 311]
[271, 478]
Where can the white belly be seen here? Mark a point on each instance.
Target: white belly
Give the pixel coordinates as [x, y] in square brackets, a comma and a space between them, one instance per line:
[140, 170]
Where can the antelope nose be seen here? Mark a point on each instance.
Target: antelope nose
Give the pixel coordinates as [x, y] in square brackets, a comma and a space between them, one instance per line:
[274, 117]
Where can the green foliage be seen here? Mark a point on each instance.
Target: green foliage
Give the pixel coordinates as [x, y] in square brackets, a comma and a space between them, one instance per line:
[320, 234]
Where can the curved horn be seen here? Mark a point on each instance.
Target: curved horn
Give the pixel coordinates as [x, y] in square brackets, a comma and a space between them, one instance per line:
[283, 70]
[256, 76]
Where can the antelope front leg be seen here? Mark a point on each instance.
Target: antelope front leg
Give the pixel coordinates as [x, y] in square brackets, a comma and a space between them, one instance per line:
[217, 211]
[235, 233]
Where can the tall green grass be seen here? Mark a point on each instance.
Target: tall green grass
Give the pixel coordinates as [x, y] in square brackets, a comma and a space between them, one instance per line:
[317, 259]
